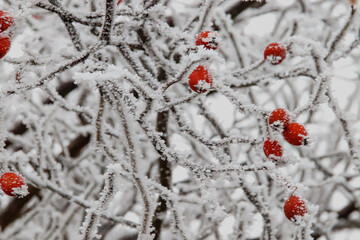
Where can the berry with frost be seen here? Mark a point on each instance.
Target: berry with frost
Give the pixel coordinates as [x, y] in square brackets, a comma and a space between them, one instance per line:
[208, 39]
[4, 45]
[11, 182]
[275, 52]
[6, 20]
[294, 207]
[279, 118]
[295, 134]
[200, 80]
[272, 149]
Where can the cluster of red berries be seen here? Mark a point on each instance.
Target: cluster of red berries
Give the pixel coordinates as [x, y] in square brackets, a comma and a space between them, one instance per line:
[11, 182]
[200, 79]
[6, 20]
[295, 134]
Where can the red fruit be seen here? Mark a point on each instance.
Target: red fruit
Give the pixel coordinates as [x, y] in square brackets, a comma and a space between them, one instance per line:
[4, 45]
[295, 134]
[294, 207]
[208, 39]
[272, 148]
[119, 2]
[10, 181]
[200, 80]
[275, 52]
[6, 20]
[279, 117]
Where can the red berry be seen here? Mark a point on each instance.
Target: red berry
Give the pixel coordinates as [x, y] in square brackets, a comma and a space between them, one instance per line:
[208, 39]
[11, 181]
[295, 134]
[294, 207]
[279, 117]
[6, 20]
[4, 45]
[275, 52]
[119, 2]
[272, 148]
[200, 80]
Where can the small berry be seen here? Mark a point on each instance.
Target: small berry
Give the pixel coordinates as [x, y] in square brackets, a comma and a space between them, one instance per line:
[275, 52]
[295, 134]
[119, 2]
[208, 39]
[6, 20]
[294, 207]
[353, 2]
[4, 45]
[279, 118]
[200, 80]
[272, 149]
[11, 181]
